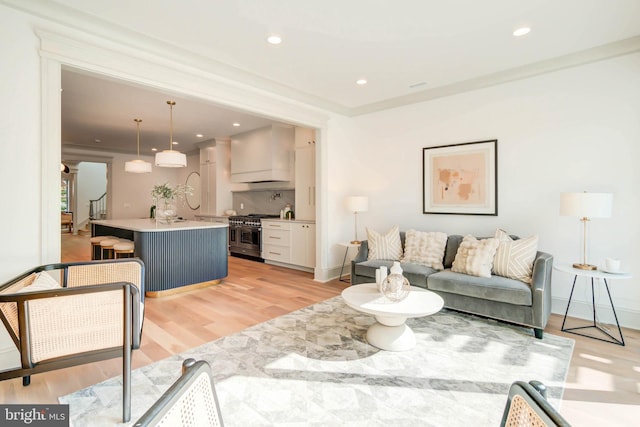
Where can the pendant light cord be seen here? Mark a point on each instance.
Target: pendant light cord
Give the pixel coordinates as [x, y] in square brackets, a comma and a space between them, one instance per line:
[138, 121]
[171, 104]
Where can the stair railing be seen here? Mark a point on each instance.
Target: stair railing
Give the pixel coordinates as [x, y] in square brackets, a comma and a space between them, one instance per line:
[98, 206]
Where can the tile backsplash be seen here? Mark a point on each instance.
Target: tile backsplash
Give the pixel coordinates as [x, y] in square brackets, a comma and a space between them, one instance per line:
[262, 201]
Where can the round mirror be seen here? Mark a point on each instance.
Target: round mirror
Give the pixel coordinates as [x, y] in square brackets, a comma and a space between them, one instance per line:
[193, 181]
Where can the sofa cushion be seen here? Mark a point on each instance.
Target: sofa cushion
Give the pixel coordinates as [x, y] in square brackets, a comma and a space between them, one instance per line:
[417, 274]
[496, 288]
[475, 257]
[368, 268]
[453, 242]
[425, 248]
[384, 246]
[514, 258]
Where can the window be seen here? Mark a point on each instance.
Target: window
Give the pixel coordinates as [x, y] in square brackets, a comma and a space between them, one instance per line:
[64, 196]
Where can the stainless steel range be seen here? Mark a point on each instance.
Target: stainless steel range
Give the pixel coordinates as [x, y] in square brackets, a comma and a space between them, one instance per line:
[245, 235]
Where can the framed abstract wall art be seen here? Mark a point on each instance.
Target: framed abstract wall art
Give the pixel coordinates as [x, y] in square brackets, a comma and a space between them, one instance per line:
[460, 178]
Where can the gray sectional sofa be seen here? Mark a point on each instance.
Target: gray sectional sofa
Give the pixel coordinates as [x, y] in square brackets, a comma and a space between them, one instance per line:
[497, 297]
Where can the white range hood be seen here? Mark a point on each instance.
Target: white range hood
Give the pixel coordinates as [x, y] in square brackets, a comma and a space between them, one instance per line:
[262, 155]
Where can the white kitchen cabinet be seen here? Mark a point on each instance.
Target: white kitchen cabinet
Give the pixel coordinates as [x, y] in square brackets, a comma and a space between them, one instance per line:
[304, 137]
[215, 191]
[276, 241]
[303, 244]
[291, 243]
[207, 154]
[208, 188]
[305, 174]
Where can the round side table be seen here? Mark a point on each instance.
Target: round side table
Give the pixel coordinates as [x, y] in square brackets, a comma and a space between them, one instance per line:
[593, 275]
[347, 246]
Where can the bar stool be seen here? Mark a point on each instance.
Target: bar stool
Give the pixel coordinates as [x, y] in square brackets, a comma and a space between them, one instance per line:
[96, 250]
[107, 245]
[123, 249]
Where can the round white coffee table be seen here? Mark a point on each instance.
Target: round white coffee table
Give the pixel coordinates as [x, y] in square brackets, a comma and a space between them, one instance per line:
[390, 332]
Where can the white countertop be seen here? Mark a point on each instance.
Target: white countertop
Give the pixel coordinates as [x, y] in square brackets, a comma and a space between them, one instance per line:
[150, 225]
[303, 221]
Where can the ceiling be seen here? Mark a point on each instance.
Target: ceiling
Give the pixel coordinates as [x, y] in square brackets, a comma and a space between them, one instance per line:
[407, 50]
[98, 114]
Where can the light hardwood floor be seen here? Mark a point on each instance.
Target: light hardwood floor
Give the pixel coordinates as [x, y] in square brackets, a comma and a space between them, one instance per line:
[602, 388]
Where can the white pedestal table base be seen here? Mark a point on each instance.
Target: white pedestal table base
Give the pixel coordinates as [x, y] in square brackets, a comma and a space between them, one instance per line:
[398, 337]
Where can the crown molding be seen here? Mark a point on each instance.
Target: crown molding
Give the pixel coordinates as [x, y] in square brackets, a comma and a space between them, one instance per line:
[110, 34]
[598, 53]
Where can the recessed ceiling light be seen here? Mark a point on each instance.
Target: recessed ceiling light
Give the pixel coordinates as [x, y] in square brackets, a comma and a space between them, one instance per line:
[521, 31]
[154, 149]
[97, 140]
[236, 124]
[274, 39]
[175, 143]
[361, 82]
[199, 135]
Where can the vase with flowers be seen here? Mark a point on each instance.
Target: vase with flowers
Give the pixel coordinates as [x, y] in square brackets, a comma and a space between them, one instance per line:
[165, 199]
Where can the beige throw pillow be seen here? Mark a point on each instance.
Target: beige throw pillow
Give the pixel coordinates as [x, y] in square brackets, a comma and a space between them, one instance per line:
[425, 248]
[514, 258]
[475, 257]
[384, 246]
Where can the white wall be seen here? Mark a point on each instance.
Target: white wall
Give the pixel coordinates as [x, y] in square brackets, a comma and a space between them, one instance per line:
[130, 193]
[91, 182]
[20, 126]
[572, 130]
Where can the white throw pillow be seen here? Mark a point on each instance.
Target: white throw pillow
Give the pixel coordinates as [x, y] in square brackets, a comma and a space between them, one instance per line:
[514, 258]
[384, 246]
[475, 257]
[425, 248]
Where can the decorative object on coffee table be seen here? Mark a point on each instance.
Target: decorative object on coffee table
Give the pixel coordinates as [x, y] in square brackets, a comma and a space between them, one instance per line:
[460, 178]
[395, 287]
[586, 206]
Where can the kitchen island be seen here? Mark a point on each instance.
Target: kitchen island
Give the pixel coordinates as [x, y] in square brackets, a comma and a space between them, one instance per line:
[179, 256]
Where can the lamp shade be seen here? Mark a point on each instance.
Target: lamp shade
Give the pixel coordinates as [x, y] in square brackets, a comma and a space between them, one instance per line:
[171, 159]
[357, 203]
[137, 166]
[586, 205]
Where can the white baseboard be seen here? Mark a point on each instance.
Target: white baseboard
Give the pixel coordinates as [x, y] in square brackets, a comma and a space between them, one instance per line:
[328, 274]
[292, 266]
[583, 310]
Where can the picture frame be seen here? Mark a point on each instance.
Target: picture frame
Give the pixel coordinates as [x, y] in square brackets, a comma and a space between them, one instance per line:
[460, 179]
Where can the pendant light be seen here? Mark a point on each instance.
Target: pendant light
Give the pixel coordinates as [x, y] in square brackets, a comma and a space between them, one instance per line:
[138, 165]
[171, 158]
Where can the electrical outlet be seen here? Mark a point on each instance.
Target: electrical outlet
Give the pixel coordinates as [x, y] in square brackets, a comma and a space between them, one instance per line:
[241, 205]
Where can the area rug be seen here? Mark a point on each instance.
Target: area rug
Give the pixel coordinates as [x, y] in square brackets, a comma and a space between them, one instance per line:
[313, 367]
